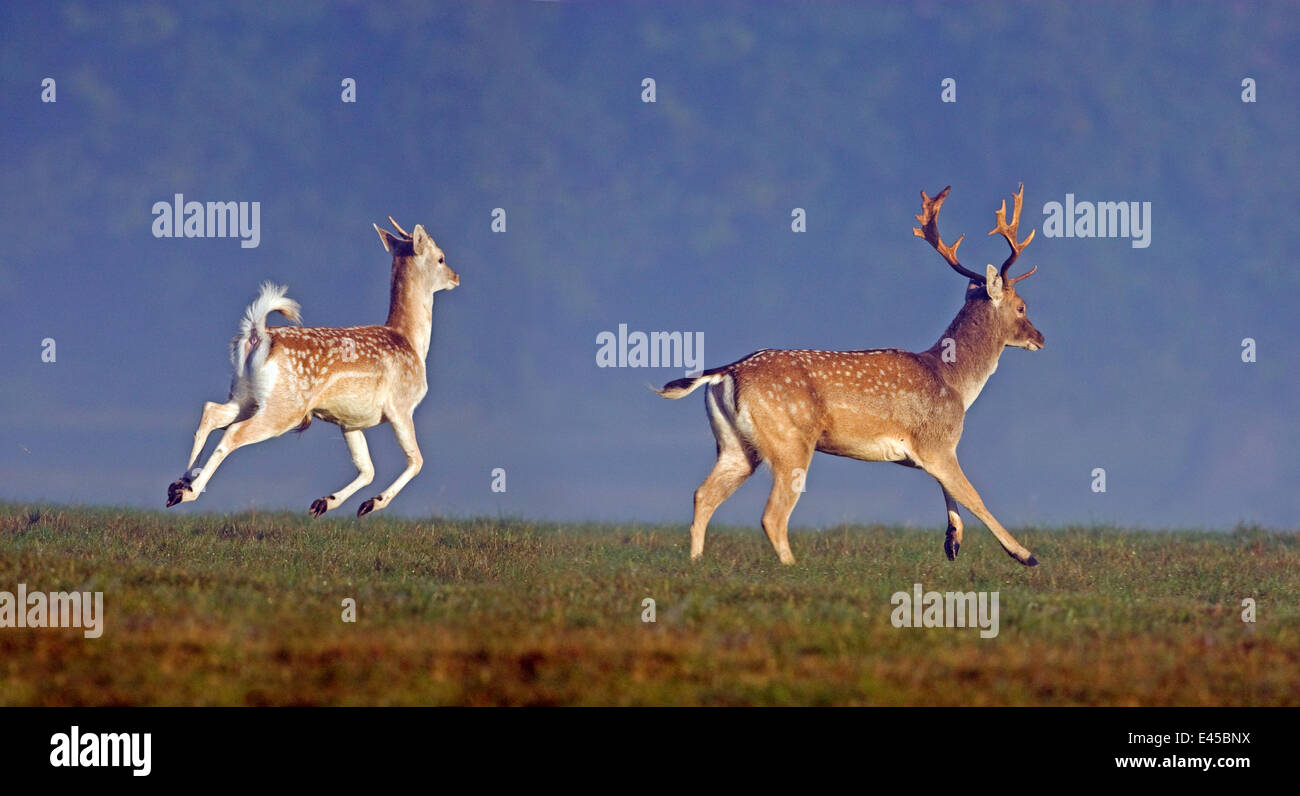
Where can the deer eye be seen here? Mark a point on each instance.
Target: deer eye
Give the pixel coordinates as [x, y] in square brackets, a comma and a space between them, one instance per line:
[1021, 309]
[442, 259]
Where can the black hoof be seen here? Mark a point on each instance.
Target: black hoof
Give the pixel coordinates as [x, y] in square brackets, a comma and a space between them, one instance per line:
[319, 507]
[176, 492]
[951, 548]
[1028, 562]
[366, 508]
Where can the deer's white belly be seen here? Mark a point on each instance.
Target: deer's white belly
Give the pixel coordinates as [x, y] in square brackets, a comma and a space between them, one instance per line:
[350, 411]
[883, 448]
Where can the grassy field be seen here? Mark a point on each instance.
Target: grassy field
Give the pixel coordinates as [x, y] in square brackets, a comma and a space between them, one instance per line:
[246, 610]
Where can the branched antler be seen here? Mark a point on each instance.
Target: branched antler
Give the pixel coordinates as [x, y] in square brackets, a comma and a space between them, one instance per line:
[1010, 231]
[929, 230]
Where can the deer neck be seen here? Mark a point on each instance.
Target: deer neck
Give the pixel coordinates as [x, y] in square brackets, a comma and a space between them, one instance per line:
[967, 362]
[410, 307]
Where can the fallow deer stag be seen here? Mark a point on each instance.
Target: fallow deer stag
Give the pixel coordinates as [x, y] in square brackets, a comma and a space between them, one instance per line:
[879, 405]
[356, 377]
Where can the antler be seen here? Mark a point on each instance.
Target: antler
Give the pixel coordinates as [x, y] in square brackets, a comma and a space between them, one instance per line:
[407, 235]
[1010, 231]
[929, 230]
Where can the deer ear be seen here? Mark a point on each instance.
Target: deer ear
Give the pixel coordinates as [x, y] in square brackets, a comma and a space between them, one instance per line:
[420, 240]
[387, 238]
[993, 284]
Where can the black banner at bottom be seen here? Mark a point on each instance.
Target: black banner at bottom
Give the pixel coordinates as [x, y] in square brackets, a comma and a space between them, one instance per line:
[638, 745]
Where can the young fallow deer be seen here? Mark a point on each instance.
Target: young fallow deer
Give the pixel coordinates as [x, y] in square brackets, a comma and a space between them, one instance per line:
[356, 378]
[880, 405]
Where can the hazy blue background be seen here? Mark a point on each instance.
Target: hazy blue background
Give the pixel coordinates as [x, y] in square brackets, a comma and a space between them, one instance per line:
[665, 216]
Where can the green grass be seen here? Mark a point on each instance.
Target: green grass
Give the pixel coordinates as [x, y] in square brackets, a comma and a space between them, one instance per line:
[245, 609]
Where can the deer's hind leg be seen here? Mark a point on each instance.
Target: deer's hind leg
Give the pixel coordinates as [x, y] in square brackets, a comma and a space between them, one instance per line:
[731, 470]
[736, 462]
[261, 426]
[214, 416]
[789, 472]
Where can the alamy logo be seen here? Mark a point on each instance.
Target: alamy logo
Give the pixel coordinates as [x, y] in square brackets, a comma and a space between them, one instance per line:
[651, 350]
[182, 219]
[55, 609]
[1099, 220]
[111, 749]
[947, 609]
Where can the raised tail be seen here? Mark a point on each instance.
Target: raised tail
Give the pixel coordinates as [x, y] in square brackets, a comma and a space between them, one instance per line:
[252, 327]
[680, 388]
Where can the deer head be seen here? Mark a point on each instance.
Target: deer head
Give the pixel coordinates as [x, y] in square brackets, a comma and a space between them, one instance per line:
[991, 297]
[421, 258]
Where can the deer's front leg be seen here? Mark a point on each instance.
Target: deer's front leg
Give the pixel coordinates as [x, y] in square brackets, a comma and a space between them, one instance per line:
[404, 430]
[365, 473]
[948, 473]
[952, 543]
